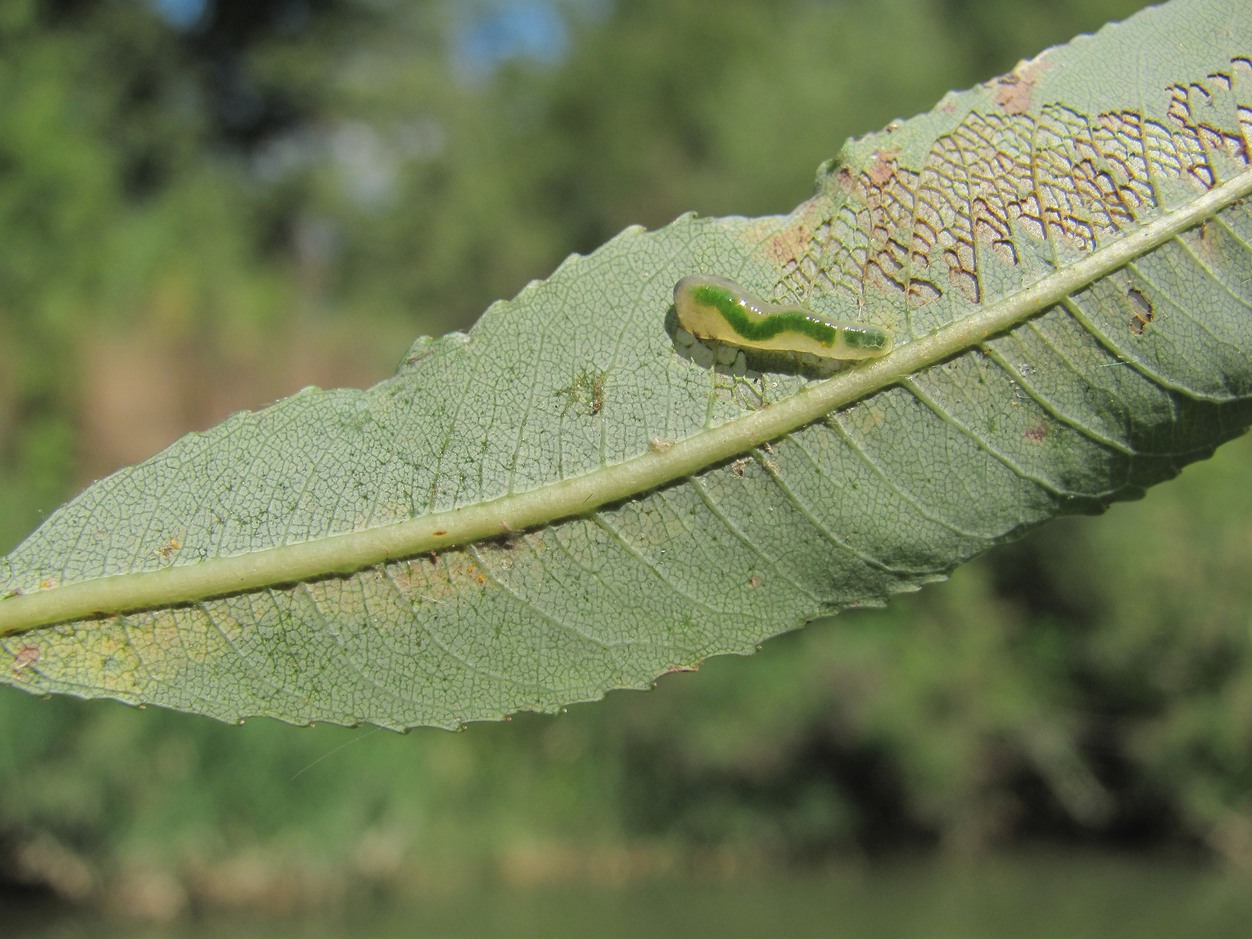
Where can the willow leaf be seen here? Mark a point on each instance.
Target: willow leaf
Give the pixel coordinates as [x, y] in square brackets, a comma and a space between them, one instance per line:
[570, 498]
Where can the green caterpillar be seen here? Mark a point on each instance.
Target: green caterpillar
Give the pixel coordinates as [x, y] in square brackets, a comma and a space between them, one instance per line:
[711, 307]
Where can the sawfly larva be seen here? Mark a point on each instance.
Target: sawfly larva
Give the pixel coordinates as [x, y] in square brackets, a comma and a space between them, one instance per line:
[711, 307]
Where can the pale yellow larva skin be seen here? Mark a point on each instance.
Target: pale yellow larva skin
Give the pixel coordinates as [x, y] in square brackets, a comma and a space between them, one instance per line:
[716, 308]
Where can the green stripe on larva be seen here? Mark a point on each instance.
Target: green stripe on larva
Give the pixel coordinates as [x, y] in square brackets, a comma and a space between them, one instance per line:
[711, 307]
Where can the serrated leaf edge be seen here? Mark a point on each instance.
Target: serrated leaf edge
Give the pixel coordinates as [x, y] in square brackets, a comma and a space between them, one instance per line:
[581, 495]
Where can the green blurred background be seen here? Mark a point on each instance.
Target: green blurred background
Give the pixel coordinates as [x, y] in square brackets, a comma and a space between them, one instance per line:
[206, 205]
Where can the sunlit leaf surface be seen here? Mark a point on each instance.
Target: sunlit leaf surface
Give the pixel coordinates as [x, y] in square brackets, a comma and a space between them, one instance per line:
[575, 496]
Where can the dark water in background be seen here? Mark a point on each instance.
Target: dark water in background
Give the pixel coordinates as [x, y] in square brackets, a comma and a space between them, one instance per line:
[1057, 895]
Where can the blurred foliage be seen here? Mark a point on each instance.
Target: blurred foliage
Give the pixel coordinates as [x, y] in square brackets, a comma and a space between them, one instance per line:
[197, 218]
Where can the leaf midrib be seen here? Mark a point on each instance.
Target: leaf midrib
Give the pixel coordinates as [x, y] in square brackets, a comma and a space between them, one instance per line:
[580, 495]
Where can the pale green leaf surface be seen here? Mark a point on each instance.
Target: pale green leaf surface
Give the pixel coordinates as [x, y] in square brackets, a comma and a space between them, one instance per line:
[570, 499]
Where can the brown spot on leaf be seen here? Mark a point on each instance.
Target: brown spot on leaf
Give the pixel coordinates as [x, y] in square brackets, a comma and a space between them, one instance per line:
[694, 667]
[1209, 243]
[1014, 92]
[1038, 433]
[883, 169]
[25, 657]
[1141, 311]
[785, 246]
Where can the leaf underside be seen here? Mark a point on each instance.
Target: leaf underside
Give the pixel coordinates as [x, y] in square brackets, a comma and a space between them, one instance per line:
[575, 497]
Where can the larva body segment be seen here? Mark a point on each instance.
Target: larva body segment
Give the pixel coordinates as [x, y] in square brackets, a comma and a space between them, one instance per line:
[711, 307]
